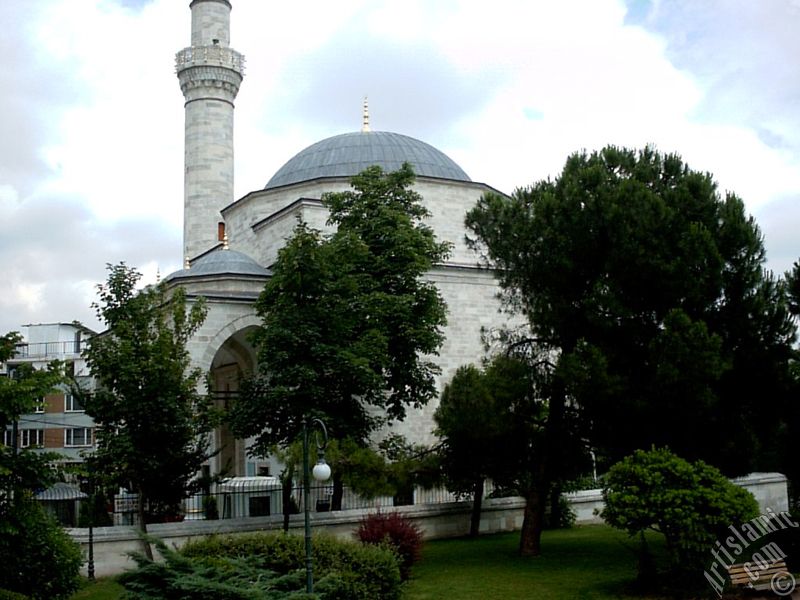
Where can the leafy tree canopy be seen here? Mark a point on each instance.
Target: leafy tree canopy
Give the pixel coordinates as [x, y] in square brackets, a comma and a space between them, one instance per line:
[471, 429]
[19, 393]
[636, 260]
[347, 319]
[152, 421]
[38, 558]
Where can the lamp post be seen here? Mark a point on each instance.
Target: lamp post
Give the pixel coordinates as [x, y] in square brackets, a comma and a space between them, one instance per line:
[321, 473]
[88, 483]
[90, 566]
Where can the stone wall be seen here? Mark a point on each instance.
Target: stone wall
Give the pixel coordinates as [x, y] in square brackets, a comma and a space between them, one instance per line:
[112, 545]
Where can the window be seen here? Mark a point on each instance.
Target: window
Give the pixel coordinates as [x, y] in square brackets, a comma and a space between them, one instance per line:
[72, 404]
[78, 436]
[31, 437]
[38, 408]
[8, 437]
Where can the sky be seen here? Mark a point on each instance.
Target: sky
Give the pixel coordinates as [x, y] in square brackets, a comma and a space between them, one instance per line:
[91, 114]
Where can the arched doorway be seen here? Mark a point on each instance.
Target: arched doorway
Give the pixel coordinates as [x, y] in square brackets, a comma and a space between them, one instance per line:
[234, 359]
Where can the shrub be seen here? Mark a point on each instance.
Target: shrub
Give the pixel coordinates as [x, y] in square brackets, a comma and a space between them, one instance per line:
[95, 512]
[691, 504]
[399, 532]
[6, 595]
[343, 570]
[788, 539]
[179, 577]
[563, 518]
[38, 558]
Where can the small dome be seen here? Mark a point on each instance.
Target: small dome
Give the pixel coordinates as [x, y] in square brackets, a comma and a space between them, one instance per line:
[222, 262]
[348, 154]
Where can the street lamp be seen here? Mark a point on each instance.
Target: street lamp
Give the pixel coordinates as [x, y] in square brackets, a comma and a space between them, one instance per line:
[88, 481]
[322, 472]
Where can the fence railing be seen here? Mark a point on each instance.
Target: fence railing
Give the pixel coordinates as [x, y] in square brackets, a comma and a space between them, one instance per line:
[224, 503]
[49, 349]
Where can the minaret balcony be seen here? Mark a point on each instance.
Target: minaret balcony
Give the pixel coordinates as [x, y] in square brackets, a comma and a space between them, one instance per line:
[219, 56]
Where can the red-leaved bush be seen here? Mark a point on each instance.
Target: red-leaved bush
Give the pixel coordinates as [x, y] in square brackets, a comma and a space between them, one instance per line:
[399, 532]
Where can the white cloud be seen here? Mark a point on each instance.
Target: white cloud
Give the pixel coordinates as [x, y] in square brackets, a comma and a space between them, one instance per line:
[508, 89]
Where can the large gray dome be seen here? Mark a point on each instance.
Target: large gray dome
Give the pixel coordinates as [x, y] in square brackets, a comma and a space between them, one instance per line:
[348, 154]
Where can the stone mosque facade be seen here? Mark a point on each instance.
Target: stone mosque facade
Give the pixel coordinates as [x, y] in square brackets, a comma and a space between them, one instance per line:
[229, 245]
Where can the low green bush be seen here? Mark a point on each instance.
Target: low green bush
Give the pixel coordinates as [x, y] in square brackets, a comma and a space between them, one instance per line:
[179, 577]
[38, 558]
[345, 570]
[691, 504]
[6, 595]
[564, 516]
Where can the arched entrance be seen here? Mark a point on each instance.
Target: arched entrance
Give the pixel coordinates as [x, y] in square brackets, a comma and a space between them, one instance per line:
[234, 359]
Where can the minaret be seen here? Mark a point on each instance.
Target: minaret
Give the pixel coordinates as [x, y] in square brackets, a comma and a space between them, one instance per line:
[210, 73]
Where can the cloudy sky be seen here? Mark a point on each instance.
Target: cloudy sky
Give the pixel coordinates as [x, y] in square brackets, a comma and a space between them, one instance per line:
[91, 115]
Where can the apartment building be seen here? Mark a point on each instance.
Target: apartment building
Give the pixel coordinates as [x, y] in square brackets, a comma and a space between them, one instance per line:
[59, 422]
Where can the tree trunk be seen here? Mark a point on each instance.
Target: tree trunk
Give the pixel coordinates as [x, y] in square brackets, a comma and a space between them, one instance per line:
[148, 551]
[477, 504]
[338, 493]
[530, 541]
[544, 472]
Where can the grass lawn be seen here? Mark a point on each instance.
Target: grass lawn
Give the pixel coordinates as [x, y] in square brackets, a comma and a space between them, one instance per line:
[592, 562]
[102, 589]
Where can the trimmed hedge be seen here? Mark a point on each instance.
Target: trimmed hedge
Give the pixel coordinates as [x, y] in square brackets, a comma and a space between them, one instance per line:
[360, 572]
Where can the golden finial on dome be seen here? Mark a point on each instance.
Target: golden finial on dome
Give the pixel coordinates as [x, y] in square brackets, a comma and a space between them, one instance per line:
[225, 241]
[158, 275]
[186, 263]
[365, 121]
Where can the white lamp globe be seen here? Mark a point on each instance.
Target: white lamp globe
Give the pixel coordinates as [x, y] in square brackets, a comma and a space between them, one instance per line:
[322, 471]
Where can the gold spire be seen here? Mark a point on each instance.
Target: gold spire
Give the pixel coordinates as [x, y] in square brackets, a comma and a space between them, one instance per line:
[186, 263]
[225, 241]
[158, 275]
[365, 122]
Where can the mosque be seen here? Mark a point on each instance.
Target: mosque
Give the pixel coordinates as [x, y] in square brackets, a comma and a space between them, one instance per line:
[229, 245]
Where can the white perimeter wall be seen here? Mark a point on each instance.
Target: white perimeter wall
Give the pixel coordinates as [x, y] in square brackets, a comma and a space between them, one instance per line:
[112, 545]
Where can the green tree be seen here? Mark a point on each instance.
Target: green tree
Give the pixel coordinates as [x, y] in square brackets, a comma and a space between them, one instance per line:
[24, 469]
[348, 323]
[691, 504]
[474, 433]
[646, 288]
[544, 445]
[790, 464]
[153, 423]
[38, 558]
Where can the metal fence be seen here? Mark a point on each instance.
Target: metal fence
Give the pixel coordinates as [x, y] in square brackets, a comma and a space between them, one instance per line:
[235, 502]
[49, 349]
